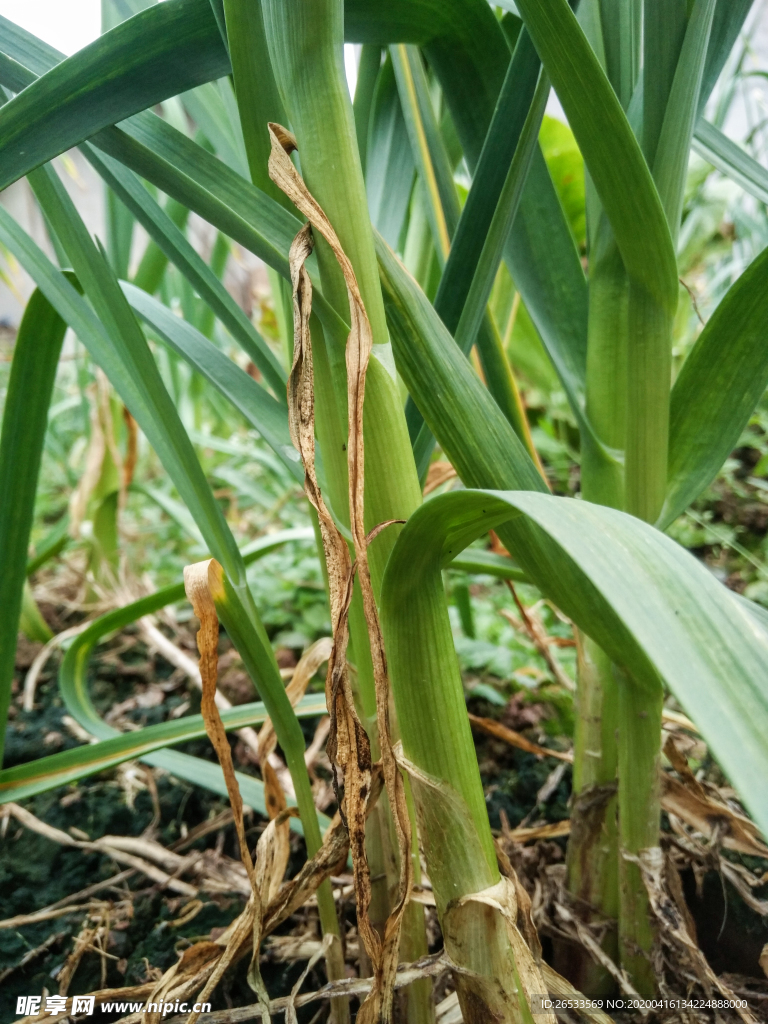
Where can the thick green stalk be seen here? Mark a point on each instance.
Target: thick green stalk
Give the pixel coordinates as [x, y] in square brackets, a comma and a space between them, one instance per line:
[450, 803]
[306, 48]
[629, 355]
[649, 376]
[628, 384]
[639, 726]
[592, 862]
[592, 858]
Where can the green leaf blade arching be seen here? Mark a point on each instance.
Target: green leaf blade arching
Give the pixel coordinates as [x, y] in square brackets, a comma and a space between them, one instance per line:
[70, 766]
[165, 50]
[116, 342]
[718, 388]
[25, 421]
[175, 164]
[650, 604]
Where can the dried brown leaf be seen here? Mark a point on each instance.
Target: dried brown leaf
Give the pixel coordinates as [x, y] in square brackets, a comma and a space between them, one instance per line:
[191, 971]
[438, 474]
[349, 747]
[516, 739]
[201, 581]
[710, 817]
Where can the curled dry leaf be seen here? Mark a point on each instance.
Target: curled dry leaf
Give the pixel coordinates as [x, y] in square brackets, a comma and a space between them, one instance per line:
[349, 746]
[516, 739]
[272, 852]
[203, 581]
[182, 979]
[205, 962]
[696, 806]
[407, 973]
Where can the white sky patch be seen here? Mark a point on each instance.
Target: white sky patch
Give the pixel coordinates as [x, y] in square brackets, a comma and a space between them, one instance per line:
[351, 58]
[66, 24]
[69, 25]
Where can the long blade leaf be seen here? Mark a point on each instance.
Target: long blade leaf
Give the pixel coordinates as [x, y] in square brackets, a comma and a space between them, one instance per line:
[731, 160]
[25, 421]
[611, 151]
[652, 606]
[163, 51]
[718, 388]
[470, 427]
